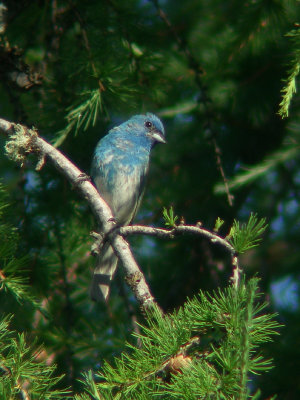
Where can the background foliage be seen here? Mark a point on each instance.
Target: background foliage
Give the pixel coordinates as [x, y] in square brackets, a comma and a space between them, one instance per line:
[215, 72]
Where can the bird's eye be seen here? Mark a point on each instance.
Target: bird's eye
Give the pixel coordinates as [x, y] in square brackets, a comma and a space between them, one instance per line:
[148, 124]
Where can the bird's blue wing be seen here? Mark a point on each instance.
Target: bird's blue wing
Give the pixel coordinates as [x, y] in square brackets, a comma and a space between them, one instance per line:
[120, 182]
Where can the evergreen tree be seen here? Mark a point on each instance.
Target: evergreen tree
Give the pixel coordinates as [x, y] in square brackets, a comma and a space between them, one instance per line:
[222, 77]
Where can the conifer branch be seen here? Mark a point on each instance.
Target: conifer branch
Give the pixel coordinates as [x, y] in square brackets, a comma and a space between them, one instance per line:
[188, 229]
[195, 349]
[203, 96]
[86, 112]
[23, 374]
[22, 141]
[177, 230]
[81, 116]
[18, 286]
[240, 238]
[290, 87]
[87, 45]
[250, 174]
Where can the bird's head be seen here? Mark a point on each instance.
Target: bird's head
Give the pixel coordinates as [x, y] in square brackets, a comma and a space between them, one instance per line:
[150, 126]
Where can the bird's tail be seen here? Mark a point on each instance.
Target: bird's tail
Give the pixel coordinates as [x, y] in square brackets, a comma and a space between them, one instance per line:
[103, 273]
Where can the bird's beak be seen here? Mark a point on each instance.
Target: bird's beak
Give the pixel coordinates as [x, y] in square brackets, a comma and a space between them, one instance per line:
[158, 137]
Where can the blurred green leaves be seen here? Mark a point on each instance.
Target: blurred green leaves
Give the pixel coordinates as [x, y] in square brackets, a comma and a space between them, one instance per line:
[83, 116]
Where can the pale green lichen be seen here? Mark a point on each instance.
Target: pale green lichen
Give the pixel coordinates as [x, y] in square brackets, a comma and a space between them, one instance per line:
[20, 143]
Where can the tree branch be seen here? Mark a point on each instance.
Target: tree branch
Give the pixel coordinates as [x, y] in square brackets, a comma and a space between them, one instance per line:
[203, 96]
[187, 229]
[22, 141]
[178, 229]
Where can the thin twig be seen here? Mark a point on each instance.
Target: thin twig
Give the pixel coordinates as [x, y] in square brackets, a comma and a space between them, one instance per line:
[203, 98]
[187, 229]
[220, 167]
[180, 229]
[87, 44]
[236, 276]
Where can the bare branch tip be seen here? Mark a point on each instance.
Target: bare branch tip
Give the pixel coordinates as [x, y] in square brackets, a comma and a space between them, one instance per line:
[182, 221]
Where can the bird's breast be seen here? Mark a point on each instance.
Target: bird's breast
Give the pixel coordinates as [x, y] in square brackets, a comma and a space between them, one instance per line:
[122, 188]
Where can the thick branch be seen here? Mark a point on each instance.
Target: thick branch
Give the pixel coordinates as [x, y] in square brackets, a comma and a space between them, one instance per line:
[22, 141]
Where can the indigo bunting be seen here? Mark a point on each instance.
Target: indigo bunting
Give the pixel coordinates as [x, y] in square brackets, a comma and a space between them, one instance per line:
[119, 168]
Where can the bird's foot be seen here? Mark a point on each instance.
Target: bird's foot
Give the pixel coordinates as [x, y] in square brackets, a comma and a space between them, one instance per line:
[101, 239]
[98, 243]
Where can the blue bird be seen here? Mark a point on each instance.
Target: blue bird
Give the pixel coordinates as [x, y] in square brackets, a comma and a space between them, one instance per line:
[119, 168]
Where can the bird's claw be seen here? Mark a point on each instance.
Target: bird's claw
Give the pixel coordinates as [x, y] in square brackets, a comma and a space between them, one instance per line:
[98, 243]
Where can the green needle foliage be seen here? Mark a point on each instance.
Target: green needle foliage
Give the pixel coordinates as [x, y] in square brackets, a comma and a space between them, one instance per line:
[21, 371]
[219, 222]
[245, 236]
[251, 174]
[22, 375]
[213, 71]
[169, 217]
[209, 348]
[83, 116]
[11, 278]
[290, 87]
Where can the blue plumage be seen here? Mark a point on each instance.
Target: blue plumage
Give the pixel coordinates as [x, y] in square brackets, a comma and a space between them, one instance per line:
[119, 168]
